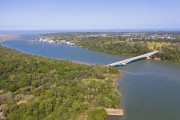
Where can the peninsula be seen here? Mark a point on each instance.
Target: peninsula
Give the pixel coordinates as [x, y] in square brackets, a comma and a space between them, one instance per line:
[33, 87]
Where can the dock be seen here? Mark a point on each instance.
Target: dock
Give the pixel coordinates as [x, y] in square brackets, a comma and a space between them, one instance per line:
[111, 111]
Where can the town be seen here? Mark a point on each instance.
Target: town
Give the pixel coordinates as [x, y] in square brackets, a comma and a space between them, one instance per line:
[51, 40]
[71, 37]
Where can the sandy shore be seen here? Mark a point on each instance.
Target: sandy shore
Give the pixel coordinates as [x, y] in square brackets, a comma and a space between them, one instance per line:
[7, 37]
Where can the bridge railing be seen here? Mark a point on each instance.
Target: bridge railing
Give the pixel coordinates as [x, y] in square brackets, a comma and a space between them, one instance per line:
[126, 61]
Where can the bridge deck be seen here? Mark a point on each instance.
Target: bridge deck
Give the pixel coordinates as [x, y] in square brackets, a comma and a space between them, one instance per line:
[126, 61]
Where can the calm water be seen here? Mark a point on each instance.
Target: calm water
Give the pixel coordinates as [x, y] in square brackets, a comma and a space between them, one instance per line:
[150, 89]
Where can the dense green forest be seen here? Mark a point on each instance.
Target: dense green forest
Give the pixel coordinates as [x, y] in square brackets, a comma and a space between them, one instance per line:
[168, 50]
[110, 46]
[33, 88]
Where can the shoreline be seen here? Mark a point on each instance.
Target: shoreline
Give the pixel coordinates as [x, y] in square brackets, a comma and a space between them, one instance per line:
[74, 61]
[84, 63]
[49, 40]
[154, 59]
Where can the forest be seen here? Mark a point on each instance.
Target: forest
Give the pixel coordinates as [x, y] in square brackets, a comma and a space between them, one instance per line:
[168, 50]
[33, 88]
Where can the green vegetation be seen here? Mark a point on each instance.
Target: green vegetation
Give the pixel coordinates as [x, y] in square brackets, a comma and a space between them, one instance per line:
[33, 88]
[97, 114]
[170, 53]
[168, 49]
[115, 47]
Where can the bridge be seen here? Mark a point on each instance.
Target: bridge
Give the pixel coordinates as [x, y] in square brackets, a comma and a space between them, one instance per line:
[124, 62]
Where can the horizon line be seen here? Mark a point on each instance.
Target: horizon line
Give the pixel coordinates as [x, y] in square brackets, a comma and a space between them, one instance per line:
[92, 29]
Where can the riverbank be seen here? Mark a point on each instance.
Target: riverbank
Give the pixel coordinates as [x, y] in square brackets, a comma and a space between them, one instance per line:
[134, 48]
[52, 40]
[160, 56]
[84, 63]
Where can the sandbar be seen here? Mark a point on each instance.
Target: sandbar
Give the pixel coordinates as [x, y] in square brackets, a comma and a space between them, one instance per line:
[7, 37]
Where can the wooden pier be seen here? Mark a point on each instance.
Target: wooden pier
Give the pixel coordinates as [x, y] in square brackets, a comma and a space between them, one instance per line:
[111, 111]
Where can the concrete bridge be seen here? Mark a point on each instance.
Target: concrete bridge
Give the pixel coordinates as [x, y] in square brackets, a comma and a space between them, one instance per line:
[124, 62]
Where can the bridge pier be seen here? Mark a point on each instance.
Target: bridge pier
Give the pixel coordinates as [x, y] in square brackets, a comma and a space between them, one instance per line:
[149, 57]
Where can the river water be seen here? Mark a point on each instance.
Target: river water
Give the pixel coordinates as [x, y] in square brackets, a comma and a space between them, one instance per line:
[150, 89]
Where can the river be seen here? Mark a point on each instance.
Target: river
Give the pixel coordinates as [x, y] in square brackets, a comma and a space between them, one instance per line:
[150, 89]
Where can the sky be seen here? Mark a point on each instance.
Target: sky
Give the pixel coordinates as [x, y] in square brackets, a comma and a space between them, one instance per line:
[90, 14]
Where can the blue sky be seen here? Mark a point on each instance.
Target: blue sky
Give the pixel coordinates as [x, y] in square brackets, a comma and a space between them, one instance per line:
[89, 14]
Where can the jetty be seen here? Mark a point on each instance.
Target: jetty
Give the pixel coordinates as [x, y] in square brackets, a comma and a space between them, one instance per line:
[111, 111]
